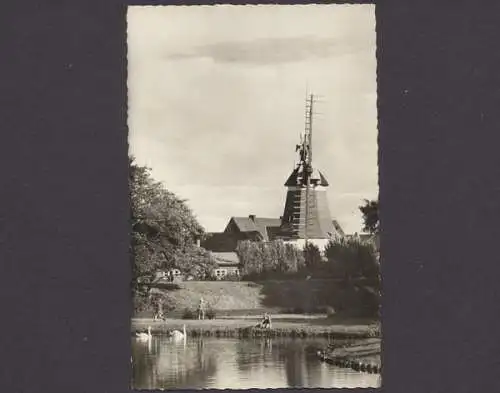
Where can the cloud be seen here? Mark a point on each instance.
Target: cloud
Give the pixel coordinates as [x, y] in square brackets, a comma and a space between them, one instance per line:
[272, 50]
[216, 104]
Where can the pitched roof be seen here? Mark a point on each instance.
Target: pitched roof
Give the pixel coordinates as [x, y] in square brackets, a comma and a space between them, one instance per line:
[226, 241]
[274, 233]
[293, 178]
[256, 224]
[225, 258]
[296, 177]
[323, 181]
[338, 228]
[245, 224]
[220, 242]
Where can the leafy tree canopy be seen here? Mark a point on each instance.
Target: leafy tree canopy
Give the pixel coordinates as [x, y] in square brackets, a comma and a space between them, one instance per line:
[269, 259]
[313, 258]
[164, 229]
[370, 211]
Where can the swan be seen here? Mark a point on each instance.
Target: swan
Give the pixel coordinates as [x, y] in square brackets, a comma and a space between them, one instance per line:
[177, 335]
[144, 336]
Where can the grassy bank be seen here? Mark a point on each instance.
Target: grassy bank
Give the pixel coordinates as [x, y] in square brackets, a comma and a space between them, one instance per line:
[246, 328]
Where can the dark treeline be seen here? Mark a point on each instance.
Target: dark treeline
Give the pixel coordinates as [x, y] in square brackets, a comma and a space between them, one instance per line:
[343, 258]
[351, 261]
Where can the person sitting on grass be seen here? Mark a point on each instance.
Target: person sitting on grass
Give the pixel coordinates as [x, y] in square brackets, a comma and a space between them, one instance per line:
[266, 322]
[159, 316]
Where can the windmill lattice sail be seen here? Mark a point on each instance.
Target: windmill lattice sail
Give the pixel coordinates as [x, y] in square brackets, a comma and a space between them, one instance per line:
[306, 214]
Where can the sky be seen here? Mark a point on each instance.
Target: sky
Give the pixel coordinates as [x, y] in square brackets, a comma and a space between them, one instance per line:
[216, 103]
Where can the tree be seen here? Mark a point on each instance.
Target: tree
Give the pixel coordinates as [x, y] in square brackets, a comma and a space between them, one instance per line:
[269, 259]
[195, 262]
[163, 228]
[250, 259]
[351, 258]
[312, 257]
[355, 262]
[370, 211]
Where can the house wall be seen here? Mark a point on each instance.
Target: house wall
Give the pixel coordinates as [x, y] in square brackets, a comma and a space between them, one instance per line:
[223, 271]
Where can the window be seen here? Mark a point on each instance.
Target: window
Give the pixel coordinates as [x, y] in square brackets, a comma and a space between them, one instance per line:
[220, 272]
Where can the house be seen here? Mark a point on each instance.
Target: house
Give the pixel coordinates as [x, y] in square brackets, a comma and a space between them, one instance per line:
[228, 264]
[162, 276]
[251, 228]
[226, 241]
[255, 228]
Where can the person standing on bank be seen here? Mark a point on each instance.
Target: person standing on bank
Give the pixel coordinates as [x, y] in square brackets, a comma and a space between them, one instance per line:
[201, 309]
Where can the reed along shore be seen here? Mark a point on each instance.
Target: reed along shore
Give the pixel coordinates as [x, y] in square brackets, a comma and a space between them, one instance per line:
[240, 328]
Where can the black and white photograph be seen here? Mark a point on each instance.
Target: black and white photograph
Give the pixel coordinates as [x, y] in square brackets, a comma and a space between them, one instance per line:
[254, 194]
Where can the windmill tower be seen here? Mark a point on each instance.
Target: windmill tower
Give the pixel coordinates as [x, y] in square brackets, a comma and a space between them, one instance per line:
[306, 215]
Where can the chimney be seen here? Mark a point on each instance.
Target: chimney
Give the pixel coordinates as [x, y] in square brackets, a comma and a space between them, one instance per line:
[252, 217]
[198, 242]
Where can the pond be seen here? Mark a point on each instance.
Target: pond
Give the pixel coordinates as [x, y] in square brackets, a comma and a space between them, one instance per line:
[220, 363]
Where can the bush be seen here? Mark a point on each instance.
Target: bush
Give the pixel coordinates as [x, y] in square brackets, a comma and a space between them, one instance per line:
[195, 262]
[294, 310]
[312, 257]
[352, 258]
[189, 314]
[230, 277]
[210, 313]
[356, 263]
[262, 260]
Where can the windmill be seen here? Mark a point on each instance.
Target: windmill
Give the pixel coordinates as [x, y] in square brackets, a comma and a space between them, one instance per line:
[306, 214]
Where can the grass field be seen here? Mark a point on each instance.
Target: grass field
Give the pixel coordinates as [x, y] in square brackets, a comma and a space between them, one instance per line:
[250, 298]
[238, 306]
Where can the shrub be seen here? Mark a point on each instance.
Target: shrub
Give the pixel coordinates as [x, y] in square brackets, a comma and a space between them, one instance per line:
[195, 262]
[189, 314]
[352, 258]
[210, 313]
[312, 257]
[230, 277]
[356, 263]
[294, 310]
[262, 260]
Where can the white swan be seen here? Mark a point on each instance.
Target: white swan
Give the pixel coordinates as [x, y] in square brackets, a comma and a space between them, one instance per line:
[176, 335]
[144, 336]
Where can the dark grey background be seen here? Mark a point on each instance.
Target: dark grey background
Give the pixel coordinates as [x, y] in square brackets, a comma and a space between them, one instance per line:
[64, 263]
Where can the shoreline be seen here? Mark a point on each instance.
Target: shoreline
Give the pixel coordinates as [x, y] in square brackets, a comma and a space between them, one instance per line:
[244, 328]
[365, 356]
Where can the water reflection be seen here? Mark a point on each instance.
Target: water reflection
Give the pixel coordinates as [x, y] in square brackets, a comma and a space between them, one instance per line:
[238, 364]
